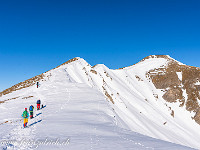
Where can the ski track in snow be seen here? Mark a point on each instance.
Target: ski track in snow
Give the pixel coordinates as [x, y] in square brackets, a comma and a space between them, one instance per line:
[134, 142]
[95, 139]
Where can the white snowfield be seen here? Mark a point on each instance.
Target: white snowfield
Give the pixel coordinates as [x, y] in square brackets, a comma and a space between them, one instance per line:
[78, 116]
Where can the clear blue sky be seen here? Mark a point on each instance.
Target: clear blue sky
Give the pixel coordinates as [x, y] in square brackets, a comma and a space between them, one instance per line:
[38, 35]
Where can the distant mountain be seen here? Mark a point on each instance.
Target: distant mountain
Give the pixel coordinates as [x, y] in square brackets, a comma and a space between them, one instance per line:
[158, 97]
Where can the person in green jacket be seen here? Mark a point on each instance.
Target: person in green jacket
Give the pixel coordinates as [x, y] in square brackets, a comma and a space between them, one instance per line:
[25, 115]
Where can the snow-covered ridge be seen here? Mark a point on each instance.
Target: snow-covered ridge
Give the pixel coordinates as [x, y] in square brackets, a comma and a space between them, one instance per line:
[134, 103]
[138, 106]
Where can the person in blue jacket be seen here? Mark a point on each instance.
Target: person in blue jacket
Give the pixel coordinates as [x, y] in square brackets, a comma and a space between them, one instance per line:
[25, 115]
[31, 108]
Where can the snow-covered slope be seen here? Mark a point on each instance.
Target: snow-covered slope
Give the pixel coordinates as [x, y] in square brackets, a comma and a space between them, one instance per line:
[78, 113]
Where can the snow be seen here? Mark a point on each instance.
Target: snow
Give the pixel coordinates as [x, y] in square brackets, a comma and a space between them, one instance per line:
[197, 83]
[175, 60]
[79, 116]
[179, 74]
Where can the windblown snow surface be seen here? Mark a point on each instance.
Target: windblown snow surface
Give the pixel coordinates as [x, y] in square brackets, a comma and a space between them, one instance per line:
[78, 116]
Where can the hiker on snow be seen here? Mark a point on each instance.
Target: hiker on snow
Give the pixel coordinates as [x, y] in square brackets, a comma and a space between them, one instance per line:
[31, 111]
[38, 104]
[25, 115]
[37, 84]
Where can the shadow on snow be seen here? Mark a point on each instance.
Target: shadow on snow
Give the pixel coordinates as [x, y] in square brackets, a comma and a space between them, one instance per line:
[37, 115]
[35, 123]
[44, 106]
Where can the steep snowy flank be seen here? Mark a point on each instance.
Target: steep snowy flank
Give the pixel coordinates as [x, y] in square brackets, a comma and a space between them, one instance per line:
[99, 108]
[137, 102]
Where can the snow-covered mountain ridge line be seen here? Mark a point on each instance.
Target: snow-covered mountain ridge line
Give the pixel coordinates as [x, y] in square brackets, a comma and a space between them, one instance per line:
[174, 78]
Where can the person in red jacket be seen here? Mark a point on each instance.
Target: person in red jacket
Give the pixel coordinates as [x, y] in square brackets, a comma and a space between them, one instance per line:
[37, 84]
[38, 104]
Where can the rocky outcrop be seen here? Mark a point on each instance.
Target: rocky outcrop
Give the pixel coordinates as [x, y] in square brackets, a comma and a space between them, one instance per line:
[173, 94]
[166, 78]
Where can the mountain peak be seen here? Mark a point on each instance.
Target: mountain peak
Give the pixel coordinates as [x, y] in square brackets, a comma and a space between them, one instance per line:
[69, 61]
[167, 57]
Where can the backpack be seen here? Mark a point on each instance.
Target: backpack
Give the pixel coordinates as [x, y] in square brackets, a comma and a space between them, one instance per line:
[38, 102]
[25, 114]
[31, 108]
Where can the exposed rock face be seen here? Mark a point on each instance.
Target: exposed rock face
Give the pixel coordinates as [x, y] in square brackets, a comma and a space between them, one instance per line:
[173, 94]
[166, 78]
